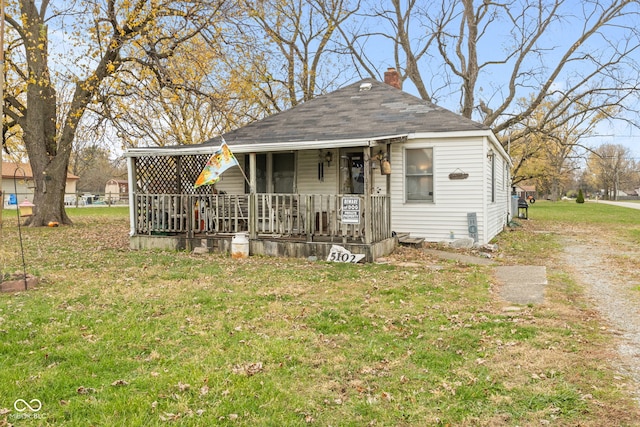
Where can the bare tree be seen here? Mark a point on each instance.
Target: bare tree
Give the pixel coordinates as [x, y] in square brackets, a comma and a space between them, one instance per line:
[489, 55]
[298, 38]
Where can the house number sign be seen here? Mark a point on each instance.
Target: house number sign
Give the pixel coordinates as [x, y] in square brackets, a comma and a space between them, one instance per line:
[351, 210]
[340, 254]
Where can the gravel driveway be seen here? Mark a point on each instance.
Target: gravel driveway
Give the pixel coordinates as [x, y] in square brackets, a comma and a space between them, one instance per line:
[607, 271]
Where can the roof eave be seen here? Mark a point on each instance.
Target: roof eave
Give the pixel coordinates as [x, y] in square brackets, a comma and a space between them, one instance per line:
[261, 147]
[483, 133]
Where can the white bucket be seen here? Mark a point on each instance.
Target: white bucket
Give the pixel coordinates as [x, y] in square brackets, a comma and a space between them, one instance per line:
[240, 246]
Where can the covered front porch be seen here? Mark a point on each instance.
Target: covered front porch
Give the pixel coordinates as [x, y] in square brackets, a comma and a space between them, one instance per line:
[167, 212]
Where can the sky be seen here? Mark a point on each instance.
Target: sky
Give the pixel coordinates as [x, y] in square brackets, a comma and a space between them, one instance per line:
[616, 132]
[555, 41]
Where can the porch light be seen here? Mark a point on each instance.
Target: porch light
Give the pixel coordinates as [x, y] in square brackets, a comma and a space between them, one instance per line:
[490, 153]
[385, 166]
[328, 158]
[26, 208]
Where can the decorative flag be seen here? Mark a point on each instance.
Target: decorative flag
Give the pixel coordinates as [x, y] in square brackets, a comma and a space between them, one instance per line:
[219, 162]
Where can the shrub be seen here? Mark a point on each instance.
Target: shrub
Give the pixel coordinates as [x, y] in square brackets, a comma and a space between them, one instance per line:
[580, 198]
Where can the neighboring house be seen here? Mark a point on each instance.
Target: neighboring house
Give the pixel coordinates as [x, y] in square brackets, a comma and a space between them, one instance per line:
[407, 165]
[116, 189]
[526, 192]
[20, 188]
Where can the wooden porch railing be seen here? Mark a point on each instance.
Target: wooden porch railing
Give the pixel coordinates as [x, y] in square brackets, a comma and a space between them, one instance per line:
[306, 216]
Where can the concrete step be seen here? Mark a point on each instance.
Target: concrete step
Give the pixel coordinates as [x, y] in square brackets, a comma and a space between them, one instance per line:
[406, 239]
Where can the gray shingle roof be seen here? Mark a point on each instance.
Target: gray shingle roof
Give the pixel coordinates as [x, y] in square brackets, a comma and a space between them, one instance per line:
[351, 113]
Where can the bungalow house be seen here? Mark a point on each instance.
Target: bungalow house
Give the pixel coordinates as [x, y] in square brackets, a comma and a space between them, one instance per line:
[357, 167]
[18, 184]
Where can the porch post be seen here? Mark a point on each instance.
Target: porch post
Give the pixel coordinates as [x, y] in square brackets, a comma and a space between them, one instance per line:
[387, 232]
[131, 172]
[368, 185]
[253, 205]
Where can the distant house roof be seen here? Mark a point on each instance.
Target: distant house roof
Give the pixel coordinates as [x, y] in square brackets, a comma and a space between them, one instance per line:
[23, 170]
[527, 188]
[354, 115]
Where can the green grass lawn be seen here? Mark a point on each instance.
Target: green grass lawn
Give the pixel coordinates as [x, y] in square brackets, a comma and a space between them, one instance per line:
[114, 337]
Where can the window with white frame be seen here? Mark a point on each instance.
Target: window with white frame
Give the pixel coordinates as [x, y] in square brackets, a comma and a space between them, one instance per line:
[419, 174]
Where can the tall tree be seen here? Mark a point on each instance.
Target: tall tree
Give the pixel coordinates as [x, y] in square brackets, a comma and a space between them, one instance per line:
[611, 167]
[547, 145]
[483, 57]
[265, 57]
[203, 90]
[94, 167]
[112, 35]
[298, 38]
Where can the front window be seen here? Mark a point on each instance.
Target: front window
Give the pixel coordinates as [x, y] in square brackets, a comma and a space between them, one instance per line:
[284, 172]
[275, 173]
[419, 174]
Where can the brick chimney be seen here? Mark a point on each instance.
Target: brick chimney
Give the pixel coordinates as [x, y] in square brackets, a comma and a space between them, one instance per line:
[392, 78]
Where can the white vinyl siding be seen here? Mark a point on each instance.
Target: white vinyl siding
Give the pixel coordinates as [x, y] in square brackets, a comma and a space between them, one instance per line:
[309, 179]
[453, 198]
[232, 181]
[497, 209]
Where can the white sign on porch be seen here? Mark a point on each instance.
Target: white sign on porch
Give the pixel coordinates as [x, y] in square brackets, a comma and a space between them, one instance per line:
[351, 210]
[340, 254]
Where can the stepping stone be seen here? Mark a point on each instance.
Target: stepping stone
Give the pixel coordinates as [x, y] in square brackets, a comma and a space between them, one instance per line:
[522, 284]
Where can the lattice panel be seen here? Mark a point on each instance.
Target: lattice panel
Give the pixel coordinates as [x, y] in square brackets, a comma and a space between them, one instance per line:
[191, 166]
[170, 175]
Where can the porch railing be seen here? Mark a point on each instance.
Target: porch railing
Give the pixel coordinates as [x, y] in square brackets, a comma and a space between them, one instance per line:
[309, 216]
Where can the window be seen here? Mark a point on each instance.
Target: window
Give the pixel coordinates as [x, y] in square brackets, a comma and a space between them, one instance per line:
[419, 174]
[283, 175]
[275, 173]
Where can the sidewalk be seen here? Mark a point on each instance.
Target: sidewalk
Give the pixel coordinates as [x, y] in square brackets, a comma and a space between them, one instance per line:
[632, 205]
[519, 284]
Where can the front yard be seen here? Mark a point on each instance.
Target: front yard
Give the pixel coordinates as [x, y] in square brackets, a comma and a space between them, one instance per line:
[132, 338]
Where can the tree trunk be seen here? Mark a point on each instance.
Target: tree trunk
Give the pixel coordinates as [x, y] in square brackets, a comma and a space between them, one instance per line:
[555, 189]
[50, 178]
[48, 161]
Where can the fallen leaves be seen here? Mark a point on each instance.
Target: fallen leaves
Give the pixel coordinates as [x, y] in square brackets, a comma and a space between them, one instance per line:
[248, 369]
[168, 416]
[85, 390]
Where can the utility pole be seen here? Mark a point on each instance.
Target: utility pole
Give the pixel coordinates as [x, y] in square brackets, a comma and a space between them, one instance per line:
[617, 183]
